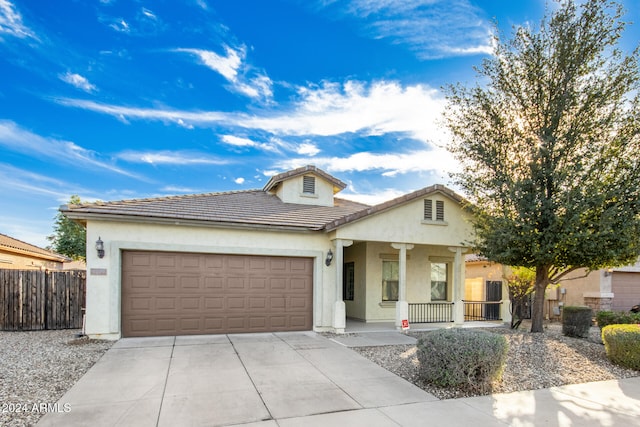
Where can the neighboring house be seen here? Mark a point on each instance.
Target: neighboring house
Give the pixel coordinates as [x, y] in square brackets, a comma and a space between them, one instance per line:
[484, 282]
[291, 256]
[615, 289]
[18, 255]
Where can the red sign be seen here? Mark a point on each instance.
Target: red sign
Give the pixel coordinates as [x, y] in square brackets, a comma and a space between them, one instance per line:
[405, 324]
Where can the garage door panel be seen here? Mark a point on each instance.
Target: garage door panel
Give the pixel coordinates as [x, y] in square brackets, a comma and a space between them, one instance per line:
[176, 293]
[626, 290]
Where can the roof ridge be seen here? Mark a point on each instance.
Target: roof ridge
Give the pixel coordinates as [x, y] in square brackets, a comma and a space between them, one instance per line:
[167, 197]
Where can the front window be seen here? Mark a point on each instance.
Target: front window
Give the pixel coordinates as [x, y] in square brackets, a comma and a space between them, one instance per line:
[390, 276]
[438, 281]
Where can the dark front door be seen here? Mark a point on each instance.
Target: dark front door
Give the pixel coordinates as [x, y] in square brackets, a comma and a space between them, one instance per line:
[494, 293]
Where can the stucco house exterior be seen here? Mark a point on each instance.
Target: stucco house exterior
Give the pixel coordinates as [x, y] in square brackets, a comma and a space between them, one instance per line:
[18, 255]
[616, 289]
[290, 256]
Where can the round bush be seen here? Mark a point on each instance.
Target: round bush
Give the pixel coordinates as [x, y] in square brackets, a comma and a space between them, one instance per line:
[576, 321]
[622, 344]
[462, 357]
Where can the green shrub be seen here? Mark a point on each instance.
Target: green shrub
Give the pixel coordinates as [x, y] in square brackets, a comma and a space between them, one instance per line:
[622, 344]
[466, 358]
[605, 318]
[576, 321]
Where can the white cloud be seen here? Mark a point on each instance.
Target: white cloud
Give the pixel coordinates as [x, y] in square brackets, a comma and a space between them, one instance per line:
[149, 14]
[238, 141]
[202, 4]
[11, 22]
[20, 140]
[330, 109]
[175, 189]
[227, 66]
[308, 149]
[375, 109]
[233, 68]
[378, 197]
[239, 180]
[435, 160]
[78, 81]
[431, 29]
[169, 157]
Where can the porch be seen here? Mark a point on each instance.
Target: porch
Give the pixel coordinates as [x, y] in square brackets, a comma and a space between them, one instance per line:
[358, 326]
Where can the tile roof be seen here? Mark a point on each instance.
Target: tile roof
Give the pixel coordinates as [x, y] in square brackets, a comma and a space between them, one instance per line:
[9, 244]
[245, 208]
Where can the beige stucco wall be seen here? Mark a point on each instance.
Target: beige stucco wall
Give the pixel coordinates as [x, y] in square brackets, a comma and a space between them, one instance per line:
[404, 224]
[103, 291]
[290, 191]
[13, 261]
[578, 286]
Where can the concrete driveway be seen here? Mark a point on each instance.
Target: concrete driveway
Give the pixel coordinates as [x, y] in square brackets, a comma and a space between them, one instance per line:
[305, 379]
[232, 379]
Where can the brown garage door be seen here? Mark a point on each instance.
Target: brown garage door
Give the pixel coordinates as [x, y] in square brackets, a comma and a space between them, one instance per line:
[172, 293]
[626, 290]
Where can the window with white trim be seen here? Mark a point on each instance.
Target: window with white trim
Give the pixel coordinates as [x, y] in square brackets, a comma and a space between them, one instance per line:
[438, 281]
[390, 280]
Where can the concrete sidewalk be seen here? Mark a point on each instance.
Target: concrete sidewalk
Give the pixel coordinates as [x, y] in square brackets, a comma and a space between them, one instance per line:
[303, 379]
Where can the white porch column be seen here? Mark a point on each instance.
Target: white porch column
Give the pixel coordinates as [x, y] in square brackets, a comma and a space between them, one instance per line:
[402, 306]
[339, 309]
[458, 285]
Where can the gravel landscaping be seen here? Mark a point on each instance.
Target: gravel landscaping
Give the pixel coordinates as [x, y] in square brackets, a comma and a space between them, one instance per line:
[38, 367]
[534, 361]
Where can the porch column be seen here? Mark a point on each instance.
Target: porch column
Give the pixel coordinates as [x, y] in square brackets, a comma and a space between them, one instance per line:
[402, 306]
[339, 310]
[458, 285]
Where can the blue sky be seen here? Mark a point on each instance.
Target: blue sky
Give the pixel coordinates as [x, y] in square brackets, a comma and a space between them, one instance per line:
[115, 99]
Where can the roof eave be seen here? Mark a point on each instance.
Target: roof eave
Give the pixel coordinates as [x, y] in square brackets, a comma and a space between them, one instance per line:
[86, 216]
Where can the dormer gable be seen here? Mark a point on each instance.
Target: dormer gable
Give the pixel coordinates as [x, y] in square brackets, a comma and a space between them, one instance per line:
[307, 185]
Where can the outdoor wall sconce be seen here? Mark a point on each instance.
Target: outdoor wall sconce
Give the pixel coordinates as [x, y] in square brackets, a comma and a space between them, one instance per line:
[329, 258]
[608, 272]
[100, 247]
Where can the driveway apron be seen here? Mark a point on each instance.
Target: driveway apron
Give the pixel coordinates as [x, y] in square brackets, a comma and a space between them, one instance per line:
[292, 377]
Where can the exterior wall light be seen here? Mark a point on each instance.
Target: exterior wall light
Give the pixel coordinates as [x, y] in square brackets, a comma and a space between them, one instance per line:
[329, 258]
[100, 247]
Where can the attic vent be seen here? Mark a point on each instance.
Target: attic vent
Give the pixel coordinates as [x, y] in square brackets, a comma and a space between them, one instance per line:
[439, 210]
[428, 209]
[309, 185]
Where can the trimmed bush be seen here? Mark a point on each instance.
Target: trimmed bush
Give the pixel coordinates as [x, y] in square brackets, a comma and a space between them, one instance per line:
[605, 318]
[576, 321]
[466, 358]
[622, 344]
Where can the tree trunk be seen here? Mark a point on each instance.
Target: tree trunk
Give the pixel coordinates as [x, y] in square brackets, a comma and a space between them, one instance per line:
[542, 281]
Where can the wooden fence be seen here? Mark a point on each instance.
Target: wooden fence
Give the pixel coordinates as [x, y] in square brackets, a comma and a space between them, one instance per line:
[34, 300]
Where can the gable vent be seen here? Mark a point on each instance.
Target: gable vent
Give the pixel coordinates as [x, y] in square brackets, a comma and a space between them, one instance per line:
[439, 210]
[309, 185]
[428, 209]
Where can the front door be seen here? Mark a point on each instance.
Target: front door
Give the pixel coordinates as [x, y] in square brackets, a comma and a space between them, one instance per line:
[494, 293]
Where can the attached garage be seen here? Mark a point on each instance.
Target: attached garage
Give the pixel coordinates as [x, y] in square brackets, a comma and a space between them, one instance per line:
[174, 293]
[626, 290]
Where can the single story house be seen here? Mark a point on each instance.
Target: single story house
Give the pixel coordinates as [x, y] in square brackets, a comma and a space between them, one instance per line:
[291, 256]
[18, 255]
